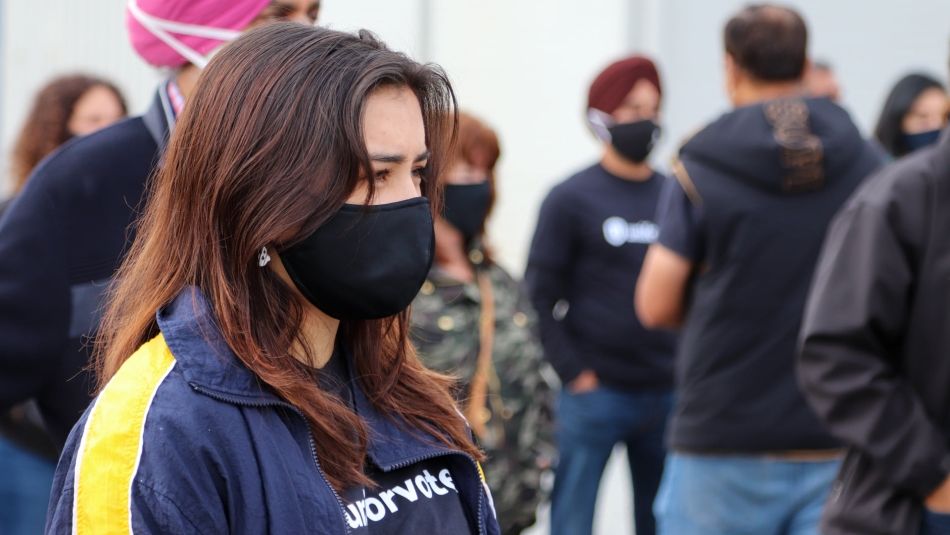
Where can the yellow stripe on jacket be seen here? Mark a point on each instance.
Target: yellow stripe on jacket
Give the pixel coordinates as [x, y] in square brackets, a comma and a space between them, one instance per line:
[111, 443]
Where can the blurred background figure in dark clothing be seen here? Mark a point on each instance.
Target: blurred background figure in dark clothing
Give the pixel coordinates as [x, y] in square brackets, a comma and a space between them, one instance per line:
[739, 238]
[592, 234]
[67, 107]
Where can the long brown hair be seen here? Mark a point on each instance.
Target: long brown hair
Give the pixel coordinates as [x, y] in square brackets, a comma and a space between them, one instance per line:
[268, 148]
[46, 126]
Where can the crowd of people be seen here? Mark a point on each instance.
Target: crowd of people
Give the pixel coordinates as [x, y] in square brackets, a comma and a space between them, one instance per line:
[270, 304]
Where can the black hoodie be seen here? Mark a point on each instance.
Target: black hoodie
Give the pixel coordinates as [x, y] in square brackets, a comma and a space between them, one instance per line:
[766, 180]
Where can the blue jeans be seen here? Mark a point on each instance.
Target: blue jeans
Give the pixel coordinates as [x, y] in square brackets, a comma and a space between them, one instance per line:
[742, 495]
[25, 482]
[935, 523]
[589, 425]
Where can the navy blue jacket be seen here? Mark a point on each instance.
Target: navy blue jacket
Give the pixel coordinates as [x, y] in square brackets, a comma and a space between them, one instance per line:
[184, 439]
[61, 240]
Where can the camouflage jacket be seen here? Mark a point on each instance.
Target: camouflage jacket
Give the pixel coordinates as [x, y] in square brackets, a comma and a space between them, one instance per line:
[519, 430]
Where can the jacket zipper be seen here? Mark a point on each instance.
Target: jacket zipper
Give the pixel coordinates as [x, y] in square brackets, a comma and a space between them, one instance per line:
[313, 445]
[481, 493]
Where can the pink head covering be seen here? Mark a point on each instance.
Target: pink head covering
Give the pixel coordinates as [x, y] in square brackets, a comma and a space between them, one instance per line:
[171, 33]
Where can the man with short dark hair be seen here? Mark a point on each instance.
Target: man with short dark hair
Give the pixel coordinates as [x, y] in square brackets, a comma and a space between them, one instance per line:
[739, 237]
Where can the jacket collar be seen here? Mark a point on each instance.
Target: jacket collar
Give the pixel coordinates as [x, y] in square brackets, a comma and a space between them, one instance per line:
[160, 117]
[209, 366]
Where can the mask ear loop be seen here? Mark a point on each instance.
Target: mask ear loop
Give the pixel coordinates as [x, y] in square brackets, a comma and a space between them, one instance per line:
[263, 258]
[599, 122]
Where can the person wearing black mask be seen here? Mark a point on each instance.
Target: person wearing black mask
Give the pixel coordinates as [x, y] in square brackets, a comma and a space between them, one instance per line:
[237, 391]
[473, 321]
[592, 234]
[913, 115]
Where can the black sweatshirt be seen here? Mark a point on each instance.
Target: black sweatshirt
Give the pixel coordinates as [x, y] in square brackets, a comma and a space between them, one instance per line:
[61, 240]
[875, 356]
[767, 178]
[593, 232]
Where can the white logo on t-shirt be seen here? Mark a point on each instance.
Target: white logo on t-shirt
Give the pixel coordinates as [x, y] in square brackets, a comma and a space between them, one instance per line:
[618, 232]
[374, 508]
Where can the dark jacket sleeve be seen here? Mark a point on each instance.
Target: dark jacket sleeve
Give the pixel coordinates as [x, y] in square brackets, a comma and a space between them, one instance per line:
[550, 263]
[152, 507]
[852, 331]
[34, 292]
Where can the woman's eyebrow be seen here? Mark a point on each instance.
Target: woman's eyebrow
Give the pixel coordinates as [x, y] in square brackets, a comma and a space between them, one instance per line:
[398, 158]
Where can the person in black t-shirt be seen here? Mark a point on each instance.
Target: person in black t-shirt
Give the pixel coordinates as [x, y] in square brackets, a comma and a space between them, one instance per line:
[592, 234]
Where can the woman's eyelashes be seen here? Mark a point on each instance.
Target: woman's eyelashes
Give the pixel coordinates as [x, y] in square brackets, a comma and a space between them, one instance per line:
[419, 174]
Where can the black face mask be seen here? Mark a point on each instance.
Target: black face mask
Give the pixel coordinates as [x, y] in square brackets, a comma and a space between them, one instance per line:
[635, 140]
[920, 140]
[466, 207]
[365, 262]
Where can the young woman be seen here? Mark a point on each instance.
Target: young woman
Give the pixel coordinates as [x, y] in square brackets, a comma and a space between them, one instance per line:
[254, 363]
[68, 106]
[472, 320]
[914, 114]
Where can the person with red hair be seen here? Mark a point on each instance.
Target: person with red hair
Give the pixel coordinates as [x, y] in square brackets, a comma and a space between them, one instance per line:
[472, 320]
[592, 234]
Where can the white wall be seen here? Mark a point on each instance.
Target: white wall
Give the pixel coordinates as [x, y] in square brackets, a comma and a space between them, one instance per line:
[44, 39]
[522, 65]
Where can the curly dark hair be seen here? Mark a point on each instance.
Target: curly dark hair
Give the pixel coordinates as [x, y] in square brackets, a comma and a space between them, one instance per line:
[45, 127]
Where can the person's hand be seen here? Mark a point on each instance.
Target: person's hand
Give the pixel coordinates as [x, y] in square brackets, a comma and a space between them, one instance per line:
[585, 382]
[939, 500]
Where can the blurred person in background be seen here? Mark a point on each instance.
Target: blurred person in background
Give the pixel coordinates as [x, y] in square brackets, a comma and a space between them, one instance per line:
[256, 373]
[64, 237]
[822, 82]
[592, 234]
[472, 320]
[66, 107]
[873, 353]
[739, 237]
[913, 116]
[875, 343]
